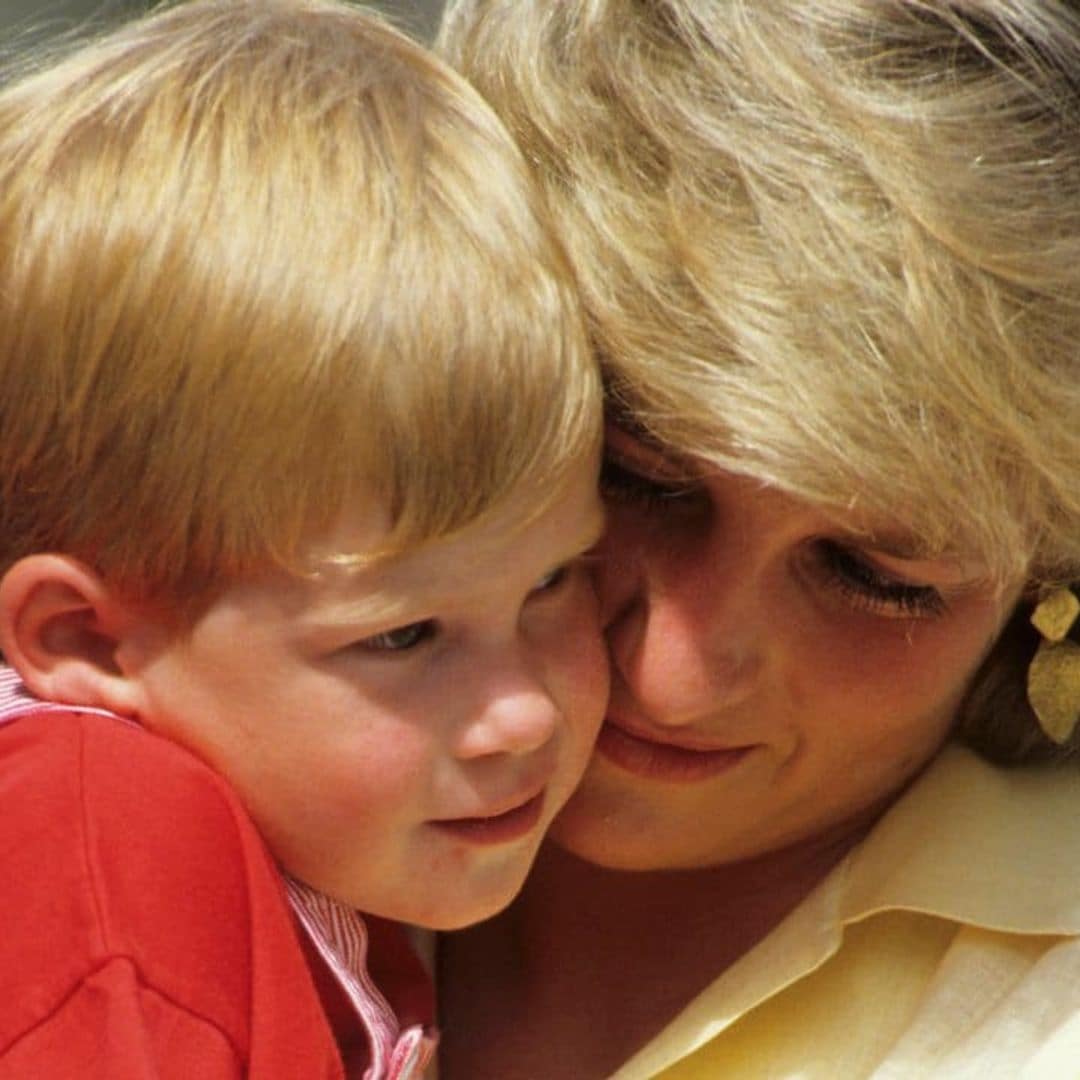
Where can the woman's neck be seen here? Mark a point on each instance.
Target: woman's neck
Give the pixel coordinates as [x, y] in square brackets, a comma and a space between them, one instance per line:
[589, 963]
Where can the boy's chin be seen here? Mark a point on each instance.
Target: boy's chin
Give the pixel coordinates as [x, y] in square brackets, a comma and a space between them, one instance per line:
[447, 909]
[467, 913]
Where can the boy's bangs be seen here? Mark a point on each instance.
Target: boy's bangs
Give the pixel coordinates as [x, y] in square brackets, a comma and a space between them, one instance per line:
[322, 272]
[464, 396]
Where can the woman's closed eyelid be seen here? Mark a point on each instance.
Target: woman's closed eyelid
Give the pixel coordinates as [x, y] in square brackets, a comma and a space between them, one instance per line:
[869, 588]
[649, 458]
[630, 481]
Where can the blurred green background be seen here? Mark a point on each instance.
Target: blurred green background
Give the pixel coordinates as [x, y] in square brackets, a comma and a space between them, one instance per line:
[22, 20]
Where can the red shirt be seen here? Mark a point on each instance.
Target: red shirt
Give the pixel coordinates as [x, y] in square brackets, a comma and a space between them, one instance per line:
[146, 928]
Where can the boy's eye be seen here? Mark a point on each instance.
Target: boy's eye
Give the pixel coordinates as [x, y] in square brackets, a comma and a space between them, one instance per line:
[553, 579]
[400, 639]
[868, 589]
[564, 573]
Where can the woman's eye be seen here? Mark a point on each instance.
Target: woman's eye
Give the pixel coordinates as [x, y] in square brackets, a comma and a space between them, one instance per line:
[400, 639]
[868, 589]
[621, 484]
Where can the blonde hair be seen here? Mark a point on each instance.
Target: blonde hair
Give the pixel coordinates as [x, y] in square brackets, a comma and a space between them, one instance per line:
[257, 258]
[833, 245]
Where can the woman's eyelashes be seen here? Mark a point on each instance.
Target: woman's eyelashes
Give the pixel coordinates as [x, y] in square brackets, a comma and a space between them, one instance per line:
[621, 482]
[868, 589]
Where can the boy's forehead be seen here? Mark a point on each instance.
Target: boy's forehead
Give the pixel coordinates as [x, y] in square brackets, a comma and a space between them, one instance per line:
[477, 557]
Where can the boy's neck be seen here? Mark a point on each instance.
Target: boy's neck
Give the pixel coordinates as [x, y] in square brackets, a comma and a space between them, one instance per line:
[606, 958]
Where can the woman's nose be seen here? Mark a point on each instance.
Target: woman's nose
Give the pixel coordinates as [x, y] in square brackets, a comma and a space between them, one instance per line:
[683, 635]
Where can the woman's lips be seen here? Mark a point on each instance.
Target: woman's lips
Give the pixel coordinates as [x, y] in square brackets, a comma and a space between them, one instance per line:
[663, 760]
[501, 828]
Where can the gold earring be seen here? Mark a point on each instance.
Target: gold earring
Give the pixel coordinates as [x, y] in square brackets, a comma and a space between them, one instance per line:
[1053, 681]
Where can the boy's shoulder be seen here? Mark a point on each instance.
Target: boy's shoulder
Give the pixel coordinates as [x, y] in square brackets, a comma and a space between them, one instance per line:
[120, 844]
[78, 779]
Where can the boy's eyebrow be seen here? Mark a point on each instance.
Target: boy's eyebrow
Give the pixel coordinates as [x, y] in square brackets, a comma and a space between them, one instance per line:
[375, 606]
[387, 604]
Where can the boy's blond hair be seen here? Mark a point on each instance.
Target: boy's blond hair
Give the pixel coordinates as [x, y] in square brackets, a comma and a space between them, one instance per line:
[259, 258]
[833, 245]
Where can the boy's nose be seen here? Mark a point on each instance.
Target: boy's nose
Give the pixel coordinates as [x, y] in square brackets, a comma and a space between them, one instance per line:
[515, 716]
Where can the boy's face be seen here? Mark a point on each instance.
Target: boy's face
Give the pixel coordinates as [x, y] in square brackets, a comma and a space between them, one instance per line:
[402, 735]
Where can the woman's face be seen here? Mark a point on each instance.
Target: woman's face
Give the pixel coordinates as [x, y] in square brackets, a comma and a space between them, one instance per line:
[777, 678]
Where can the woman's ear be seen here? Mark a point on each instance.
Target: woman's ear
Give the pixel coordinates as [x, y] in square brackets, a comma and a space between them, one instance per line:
[62, 629]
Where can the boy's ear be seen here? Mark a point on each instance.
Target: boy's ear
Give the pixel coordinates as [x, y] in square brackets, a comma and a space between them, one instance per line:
[62, 629]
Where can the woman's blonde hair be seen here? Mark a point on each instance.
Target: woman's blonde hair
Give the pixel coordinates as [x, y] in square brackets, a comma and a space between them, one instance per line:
[258, 258]
[833, 245]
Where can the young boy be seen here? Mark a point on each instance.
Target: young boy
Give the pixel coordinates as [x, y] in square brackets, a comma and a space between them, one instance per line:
[298, 440]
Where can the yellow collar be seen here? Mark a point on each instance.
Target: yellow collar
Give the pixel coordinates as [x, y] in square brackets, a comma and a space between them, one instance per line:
[974, 843]
[968, 842]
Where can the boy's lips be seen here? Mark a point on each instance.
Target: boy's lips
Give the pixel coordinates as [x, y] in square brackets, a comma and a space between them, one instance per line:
[501, 827]
[664, 760]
